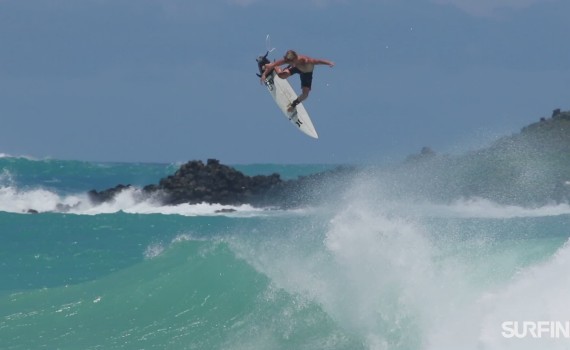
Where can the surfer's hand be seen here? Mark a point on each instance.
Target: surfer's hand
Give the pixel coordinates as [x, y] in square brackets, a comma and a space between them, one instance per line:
[331, 64]
[262, 79]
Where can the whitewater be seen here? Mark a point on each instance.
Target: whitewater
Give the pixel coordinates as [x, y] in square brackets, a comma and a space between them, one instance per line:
[365, 269]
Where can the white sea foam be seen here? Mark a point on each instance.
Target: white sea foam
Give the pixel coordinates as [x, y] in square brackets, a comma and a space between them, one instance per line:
[536, 294]
[41, 200]
[130, 201]
[6, 155]
[484, 208]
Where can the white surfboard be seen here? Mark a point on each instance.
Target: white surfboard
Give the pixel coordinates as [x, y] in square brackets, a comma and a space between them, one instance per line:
[283, 94]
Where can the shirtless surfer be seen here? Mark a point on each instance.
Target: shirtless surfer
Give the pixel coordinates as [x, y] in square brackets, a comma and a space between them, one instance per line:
[303, 65]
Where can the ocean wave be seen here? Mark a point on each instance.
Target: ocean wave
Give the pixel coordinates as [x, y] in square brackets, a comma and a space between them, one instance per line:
[14, 200]
[10, 156]
[131, 201]
[6, 178]
[156, 249]
[373, 275]
[395, 284]
[538, 293]
[481, 208]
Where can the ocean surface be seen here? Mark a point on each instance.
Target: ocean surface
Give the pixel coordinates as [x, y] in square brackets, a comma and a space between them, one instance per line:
[359, 271]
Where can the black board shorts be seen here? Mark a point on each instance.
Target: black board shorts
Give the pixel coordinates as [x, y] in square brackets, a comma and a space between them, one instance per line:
[306, 77]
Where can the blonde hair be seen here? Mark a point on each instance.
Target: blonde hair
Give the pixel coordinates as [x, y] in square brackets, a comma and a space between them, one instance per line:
[290, 55]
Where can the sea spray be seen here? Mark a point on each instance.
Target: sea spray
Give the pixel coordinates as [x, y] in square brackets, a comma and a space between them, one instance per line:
[370, 274]
[384, 268]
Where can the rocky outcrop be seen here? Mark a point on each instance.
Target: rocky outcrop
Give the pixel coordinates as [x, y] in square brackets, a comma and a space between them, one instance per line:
[98, 197]
[196, 182]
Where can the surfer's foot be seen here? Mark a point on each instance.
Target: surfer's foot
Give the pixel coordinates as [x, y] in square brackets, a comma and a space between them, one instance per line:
[293, 104]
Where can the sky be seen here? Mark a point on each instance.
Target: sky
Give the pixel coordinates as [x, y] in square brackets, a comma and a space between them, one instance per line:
[174, 80]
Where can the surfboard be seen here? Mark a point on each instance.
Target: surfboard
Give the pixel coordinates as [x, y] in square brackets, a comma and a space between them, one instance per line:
[283, 94]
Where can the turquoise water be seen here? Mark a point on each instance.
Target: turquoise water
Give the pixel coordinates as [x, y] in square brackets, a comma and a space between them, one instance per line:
[360, 272]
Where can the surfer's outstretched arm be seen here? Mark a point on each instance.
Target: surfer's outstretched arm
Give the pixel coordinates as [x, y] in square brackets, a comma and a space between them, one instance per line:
[320, 61]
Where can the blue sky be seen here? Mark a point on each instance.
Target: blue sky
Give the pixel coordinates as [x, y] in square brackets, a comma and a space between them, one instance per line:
[173, 80]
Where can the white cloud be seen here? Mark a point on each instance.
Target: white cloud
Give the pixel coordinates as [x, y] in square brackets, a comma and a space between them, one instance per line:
[488, 8]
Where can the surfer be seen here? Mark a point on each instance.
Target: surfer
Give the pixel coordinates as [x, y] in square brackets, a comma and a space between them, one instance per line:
[297, 64]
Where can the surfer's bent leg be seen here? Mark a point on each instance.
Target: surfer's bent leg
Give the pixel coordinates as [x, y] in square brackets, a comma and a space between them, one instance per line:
[306, 83]
[304, 94]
